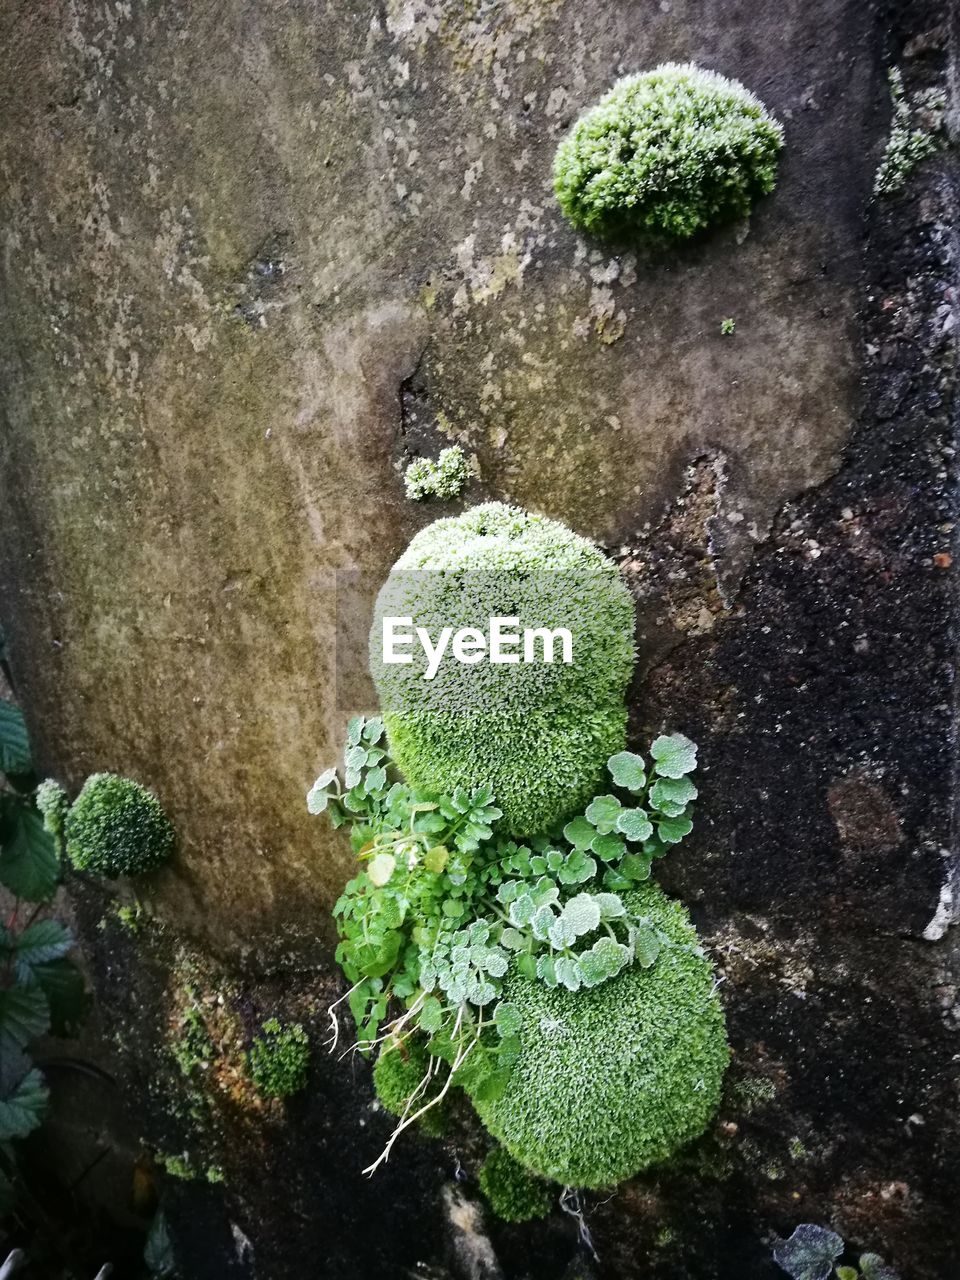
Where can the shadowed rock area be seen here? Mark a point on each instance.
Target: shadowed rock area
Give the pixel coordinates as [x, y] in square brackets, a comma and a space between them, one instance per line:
[254, 257]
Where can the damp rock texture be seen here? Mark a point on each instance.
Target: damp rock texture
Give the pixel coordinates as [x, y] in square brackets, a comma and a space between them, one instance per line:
[255, 257]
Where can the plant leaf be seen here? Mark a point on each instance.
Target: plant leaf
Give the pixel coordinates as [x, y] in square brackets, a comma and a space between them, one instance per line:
[22, 1109]
[29, 866]
[24, 1014]
[627, 770]
[14, 743]
[39, 943]
[674, 754]
[810, 1252]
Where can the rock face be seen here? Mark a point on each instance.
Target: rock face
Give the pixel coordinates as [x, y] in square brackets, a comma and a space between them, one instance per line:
[255, 253]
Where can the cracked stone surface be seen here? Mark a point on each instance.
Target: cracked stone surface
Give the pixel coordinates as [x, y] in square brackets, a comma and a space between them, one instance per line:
[257, 255]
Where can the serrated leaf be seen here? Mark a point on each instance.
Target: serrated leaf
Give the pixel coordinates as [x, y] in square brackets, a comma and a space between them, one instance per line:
[522, 910]
[672, 830]
[317, 798]
[603, 811]
[608, 848]
[24, 1014]
[546, 970]
[635, 824]
[512, 939]
[577, 867]
[29, 866]
[373, 730]
[567, 969]
[628, 770]
[674, 754]
[376, 780]
[810, 1252]
[507, 1018]
[22, 1110]
[354, 730]
[431, 1015]
[580, 832]
[39, 943]
[14, 742]
[582, 914]
[611, 906]
[635, 867]
[542, 923]
[646, 946]
[672, 791]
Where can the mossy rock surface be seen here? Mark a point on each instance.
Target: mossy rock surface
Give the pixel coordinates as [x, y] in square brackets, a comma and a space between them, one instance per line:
[615, 1079]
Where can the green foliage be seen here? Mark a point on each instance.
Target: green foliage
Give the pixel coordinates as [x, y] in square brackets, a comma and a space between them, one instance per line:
[41, 992]
[445, 904]
[192, 1047]
[536, 733]
[613, 1079]
[443, 479]
[279, 1058]
[117, 827]
[515, 1194]
[447, 916]
[812, 1253]
[728, 327]
[916, 132]
[667, 154]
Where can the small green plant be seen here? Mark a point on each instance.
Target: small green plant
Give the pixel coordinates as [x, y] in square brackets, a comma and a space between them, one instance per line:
[444, 479]
[667, 154]
[728, 327]
[117, 827]
[916, 132]
[445, 909]
[813, 1253]
[279, 1059]
[192, 1047]
[515, 1194]
[41, 991]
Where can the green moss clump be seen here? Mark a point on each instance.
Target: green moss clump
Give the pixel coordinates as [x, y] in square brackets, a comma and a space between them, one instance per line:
[667, 154]
[443, 479]
[279, 1058]
[515, 1194]
[538, 733]
[52, 802]
[117, 827]
[397, 1074]
[614, 1079]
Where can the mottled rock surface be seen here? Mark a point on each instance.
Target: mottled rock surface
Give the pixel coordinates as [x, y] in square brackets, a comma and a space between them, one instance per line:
[254, 254]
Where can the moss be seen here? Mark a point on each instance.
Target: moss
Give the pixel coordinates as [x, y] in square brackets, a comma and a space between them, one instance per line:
[192, 1047]
[667, 154]
[117, 827]
[538, 733]
[612, 1080]
[515, 1194]
[397, 1073]
[52, 803]
[443, 479]
[279, 1058]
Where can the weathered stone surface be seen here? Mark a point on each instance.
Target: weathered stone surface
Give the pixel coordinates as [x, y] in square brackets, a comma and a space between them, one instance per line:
[252, 252]
[238, 239]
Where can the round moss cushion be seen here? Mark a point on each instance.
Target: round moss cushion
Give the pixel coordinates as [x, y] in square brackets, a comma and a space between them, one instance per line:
[117, 827]
[617, 1078]
[539, 733]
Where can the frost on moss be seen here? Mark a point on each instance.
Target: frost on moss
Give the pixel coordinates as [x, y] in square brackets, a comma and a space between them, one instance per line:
[443, 479]
[538, 734]
[51, 800]
[117, 827]
[611, 1080]
[279, 1058]
[515, 1194]
[667, 154]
